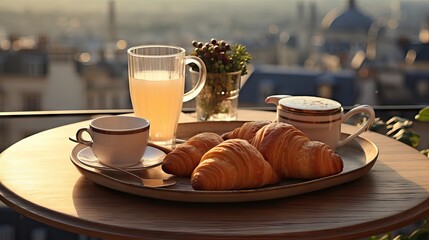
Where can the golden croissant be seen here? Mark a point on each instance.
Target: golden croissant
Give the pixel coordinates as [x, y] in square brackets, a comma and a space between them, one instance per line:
[247, 131]
[184, 158]
[292, 155]
[233, 164]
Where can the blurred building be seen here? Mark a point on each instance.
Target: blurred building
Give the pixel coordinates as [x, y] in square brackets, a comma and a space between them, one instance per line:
[105, 80]
[342, 33]
[23, 70]
[266, 80]
[387, 62]
[104, 69]
[416, 67]
[31, 81]
[314, 58]
[70, 73]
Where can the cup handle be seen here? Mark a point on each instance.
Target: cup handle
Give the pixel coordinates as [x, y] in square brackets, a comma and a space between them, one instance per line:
[80, 139]
[360, 109]
[191, 94]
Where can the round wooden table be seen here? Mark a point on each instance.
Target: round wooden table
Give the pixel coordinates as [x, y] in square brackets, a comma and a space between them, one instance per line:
[38, 180]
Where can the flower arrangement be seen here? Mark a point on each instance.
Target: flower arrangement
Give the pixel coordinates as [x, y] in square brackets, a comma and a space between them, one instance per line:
[225, 65]
[220, 57]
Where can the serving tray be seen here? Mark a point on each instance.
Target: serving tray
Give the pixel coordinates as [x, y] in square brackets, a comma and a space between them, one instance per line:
[359, 156]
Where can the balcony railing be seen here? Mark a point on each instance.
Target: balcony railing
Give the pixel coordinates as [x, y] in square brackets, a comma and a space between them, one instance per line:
[17, 125]
[381, 111]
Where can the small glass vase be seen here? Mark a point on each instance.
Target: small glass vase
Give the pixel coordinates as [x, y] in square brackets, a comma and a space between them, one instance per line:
[218, 100]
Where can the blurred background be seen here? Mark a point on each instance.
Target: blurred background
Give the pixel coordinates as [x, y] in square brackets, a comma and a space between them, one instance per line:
[71, 54]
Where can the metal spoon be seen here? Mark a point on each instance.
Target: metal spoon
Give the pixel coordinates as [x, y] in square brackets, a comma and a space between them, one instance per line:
[147, 182]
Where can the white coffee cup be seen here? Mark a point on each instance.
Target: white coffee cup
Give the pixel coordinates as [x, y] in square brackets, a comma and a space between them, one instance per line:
[118, 141]
[319, 118]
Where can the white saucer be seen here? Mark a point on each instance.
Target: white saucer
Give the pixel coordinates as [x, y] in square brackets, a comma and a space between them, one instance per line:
[152, 157]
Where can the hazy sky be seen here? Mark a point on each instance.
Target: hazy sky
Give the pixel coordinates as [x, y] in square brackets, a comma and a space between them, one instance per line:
[137, 15]
[130, 6]
[97, 5]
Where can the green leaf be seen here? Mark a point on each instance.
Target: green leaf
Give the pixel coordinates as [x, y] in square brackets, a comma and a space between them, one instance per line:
[399, 120]
[423, 115]
[419, 234]
[408, 137]
[378, 126]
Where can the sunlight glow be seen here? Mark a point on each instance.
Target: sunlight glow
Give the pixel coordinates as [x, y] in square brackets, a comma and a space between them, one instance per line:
[273, 29]
[410, 57]
[5, 44]
[121, 44]
[85, 57]
[358, 59]
[24, 43]
[392, 24]
[424, 36]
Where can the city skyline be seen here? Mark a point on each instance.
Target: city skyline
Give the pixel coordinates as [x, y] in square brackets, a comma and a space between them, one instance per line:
[139, 21]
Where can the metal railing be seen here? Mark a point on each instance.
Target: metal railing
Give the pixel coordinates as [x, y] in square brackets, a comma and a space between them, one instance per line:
[404, 110]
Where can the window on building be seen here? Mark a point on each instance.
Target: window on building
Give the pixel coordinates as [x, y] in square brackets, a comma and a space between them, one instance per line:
[32, 69]
[31, 101]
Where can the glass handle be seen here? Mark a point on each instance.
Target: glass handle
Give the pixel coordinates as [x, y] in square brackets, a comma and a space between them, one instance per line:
[191, 94]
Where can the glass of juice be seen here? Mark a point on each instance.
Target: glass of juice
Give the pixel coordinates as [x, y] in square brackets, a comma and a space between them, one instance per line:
[156, 76]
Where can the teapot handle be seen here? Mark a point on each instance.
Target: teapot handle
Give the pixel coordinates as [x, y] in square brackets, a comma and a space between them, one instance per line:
[366, 109]
[274, 99]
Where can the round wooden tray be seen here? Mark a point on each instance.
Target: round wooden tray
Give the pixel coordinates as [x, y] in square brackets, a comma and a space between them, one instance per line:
[359, 157]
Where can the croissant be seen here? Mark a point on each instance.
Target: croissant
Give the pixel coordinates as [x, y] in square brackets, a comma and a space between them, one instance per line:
[233, 164]
[184, 158]
[292, 155]
[247, 131]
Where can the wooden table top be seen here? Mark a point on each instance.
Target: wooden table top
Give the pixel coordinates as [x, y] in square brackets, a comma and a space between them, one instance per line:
[38, 180]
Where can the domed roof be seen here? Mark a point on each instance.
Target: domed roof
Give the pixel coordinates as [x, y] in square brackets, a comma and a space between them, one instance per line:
[350, 20]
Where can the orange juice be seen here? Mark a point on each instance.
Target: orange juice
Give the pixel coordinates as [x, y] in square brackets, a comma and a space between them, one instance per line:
[157, 96]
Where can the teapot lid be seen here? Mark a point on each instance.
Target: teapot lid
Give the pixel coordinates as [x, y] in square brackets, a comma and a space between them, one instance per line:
[310, 105]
